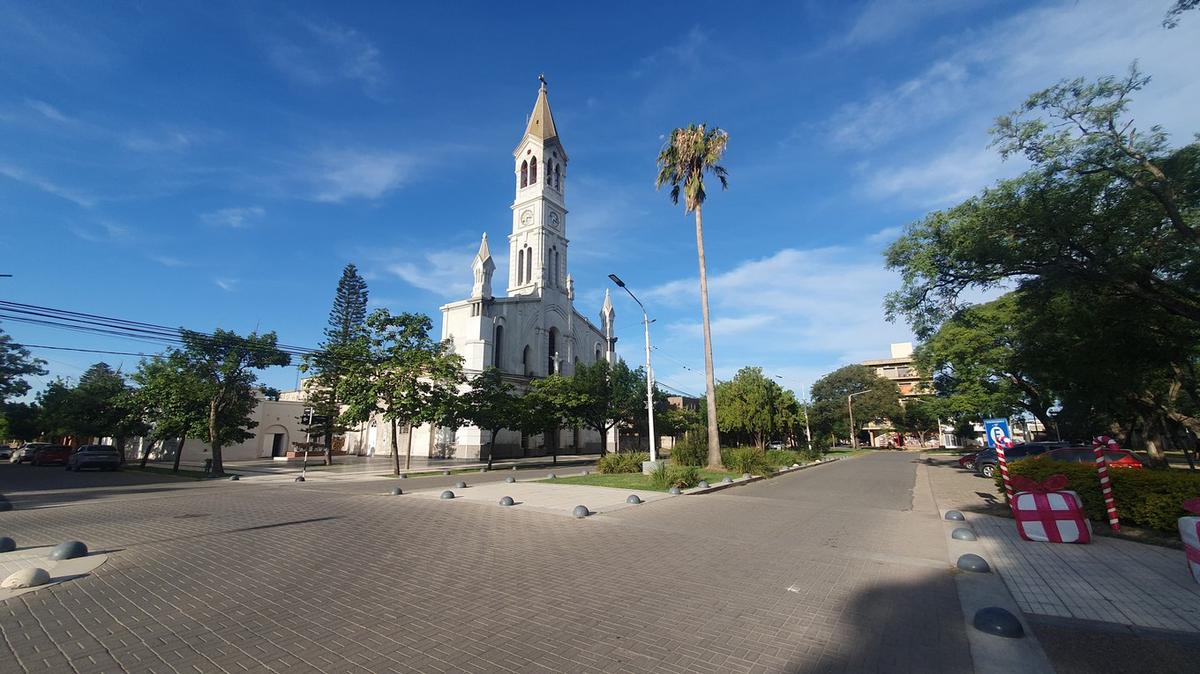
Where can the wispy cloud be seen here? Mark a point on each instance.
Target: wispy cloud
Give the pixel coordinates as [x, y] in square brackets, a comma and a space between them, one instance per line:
[48, 111]
[227, 284]
[685, 51]
[882, 19]
[235, 218]
[446, 274]
[920, 102]
[322, 52]
[348, 174]
[169, 261]
[153, 142]
[885, 235]
[22, 176]
[103, 232]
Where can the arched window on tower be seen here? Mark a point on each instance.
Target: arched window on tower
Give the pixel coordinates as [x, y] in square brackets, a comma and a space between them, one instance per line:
[526, 366]
[558, 176]
[498, 348]
[520, 266]
[524, 174]
[552, 352]
[528, 266]
[532, 170]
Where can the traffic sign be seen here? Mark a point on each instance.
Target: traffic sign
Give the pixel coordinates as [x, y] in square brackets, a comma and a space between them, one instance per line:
[996, 430]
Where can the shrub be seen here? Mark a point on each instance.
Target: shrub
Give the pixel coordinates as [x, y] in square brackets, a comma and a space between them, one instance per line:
[747, 460]
[1147, 498]
[809, 455]
[622, 462]
[669, 475]
[781, 458]
[692, 448]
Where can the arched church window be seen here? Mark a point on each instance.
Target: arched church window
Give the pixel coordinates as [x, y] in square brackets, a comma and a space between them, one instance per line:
[552, 353]
[597, 355]
[558, 176]
[524, 174]
[525, 367]
[520, 266]
[532, 170]
[529, 266]
[498, 348]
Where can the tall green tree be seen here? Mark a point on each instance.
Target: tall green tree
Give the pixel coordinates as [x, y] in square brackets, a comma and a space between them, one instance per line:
[398, 371]
[103, 405]
[598, 396]
[492, 405]
[692, 152]
[16, 363]
[831, 414]
[224, 363]
[57, 417]
[754, 406]
[21, 421]
[347, 322]
[173, 400]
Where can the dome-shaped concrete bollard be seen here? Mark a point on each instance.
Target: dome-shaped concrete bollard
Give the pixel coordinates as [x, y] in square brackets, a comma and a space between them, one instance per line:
[445, 472]
[581, 511]
[726, 480]
[7, 544]
[746, 476]
[30, 577]
[702, 485]
[507, 501]
[447, 495]
[795, 465]
[460, 485]
[963, 534]
[551, 476]
[397, 491]
[675, 491]
[999, 622]
[634, 499]
[299, 478]
[585, 472]
[483, 470]
[510, 479]
[68, 550]
[955, 516]
[234, 478]
[974, 563]
[513, 468]
[403, 476]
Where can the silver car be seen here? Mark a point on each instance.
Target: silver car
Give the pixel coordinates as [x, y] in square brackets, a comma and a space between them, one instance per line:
[102, 457]
[26, 452]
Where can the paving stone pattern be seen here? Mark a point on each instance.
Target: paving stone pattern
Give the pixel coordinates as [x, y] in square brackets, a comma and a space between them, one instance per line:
[829, 569]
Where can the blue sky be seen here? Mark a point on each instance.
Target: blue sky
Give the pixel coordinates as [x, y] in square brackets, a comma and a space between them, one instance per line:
[216, 165]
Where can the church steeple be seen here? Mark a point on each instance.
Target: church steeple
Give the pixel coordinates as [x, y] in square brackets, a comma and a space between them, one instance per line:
[538, 243]
[482, 267]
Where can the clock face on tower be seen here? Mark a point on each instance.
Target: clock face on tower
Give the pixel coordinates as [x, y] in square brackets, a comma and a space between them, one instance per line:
[553, 219]
[527, 218]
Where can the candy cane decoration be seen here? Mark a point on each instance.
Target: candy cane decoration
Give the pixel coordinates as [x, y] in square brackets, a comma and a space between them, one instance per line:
[1001, 445]
[1099, 446]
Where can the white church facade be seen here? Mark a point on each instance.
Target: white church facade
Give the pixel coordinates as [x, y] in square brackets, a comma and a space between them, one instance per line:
[531, 332]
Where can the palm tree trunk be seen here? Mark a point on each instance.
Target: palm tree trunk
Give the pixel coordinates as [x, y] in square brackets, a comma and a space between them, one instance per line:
[395, 449]
[710, 386]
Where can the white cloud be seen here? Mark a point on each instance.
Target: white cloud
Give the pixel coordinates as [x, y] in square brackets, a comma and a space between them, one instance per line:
[348, 174]
[227, 284]
[885, 235]
[797, 313]
[444, 273]
[48, 111]
[169, 261]
[328, 52]
[235, 218]
[154, 142]
[22, 176]
[104, 232]
[881, 19]
[991, 71]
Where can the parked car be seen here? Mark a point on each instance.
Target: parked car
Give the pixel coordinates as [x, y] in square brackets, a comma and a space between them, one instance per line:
[986, 461]
[6, 453]
[968, 461]
[50, 454]
[777, 444]
[102, 457]
[1116, 458]
[25, 453]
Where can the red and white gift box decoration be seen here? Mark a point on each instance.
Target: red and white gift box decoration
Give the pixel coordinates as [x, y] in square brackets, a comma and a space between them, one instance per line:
[1189, 531]
[1046, 512]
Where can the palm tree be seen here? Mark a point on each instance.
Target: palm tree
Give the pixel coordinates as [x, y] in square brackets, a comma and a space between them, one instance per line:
[689, 154]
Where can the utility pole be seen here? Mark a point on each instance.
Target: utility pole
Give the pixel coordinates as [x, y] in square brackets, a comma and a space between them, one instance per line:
[649, 370]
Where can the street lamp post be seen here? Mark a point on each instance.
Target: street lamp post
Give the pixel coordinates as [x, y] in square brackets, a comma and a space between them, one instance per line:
[850, 405]
[649, 370]
[804, 405]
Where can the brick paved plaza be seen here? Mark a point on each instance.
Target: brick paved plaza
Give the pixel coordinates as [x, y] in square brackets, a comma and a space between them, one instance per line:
[829, 569]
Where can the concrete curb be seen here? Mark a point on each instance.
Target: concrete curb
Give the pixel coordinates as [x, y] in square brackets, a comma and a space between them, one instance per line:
[990, 654]
[739, 481]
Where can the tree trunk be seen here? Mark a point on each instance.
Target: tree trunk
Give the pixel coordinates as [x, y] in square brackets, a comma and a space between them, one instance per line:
[710, 386]
[145, 452]
[395, 449]
[491, 447]
[178, 454]
[218, 467]
[329, 444]
[408, 449]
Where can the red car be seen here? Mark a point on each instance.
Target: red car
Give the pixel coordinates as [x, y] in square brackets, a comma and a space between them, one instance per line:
[51, 454]
[1116, 458]
[968, 461]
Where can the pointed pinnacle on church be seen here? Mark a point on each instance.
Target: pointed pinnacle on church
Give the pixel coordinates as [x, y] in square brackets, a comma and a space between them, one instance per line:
[541, 122]
[484, 252]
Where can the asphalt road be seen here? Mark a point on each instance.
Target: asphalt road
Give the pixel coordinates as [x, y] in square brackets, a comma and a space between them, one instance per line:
[827, 569]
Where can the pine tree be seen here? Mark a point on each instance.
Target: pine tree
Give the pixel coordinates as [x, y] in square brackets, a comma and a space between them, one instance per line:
[349, 311]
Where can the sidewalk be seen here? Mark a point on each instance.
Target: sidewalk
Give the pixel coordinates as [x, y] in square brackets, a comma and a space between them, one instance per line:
[1108, 580]
[364, 466]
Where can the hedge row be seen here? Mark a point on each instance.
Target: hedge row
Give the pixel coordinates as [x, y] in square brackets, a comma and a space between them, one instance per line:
[1146, 498]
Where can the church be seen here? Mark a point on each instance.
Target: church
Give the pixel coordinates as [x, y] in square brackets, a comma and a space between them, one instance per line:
[534, 330]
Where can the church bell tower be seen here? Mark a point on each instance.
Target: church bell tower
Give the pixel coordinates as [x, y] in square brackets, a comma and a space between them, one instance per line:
[538, 243]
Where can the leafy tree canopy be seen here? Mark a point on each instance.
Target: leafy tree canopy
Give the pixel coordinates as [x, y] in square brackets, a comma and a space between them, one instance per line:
[16, 363]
